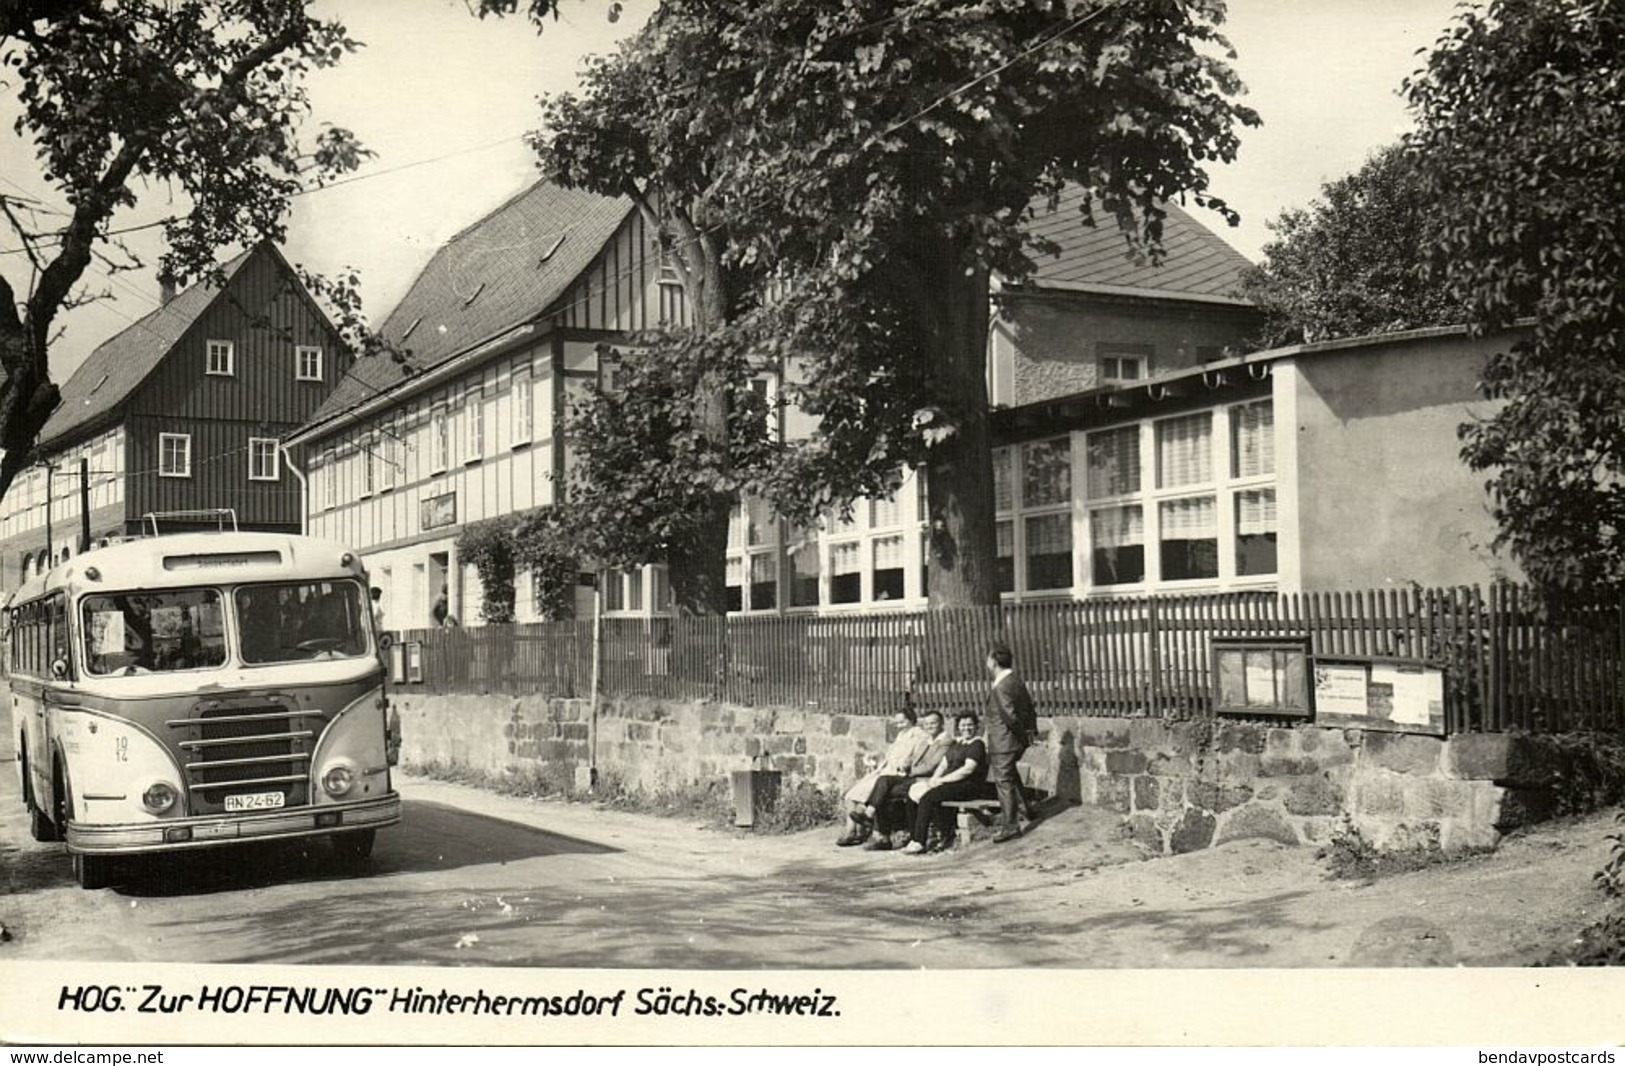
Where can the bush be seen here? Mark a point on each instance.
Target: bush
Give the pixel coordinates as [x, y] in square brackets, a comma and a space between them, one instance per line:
[802, 806]
[1350, 856]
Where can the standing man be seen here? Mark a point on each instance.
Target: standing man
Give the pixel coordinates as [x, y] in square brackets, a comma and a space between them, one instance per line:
[1010, 729]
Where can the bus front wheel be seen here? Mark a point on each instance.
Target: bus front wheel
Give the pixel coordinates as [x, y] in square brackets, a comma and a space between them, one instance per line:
[350, 848]
[92, 871]
[39, 826]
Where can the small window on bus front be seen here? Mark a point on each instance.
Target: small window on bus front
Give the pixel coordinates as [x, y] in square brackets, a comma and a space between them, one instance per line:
[298, 621]
[153, 632]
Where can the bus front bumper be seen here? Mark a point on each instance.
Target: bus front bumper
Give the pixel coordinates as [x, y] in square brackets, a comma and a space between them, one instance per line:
[172, 834]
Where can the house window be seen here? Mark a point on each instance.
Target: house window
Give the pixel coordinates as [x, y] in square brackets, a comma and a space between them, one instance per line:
[1046, 473]
[262, 459]
[1114, 462]
[330, 480]
[1189, 532]
[1004, 559]
[476, 428]
[1117, 535]
[1124, 364]
[1003, 485]
[1252, 439]
[1255, 532]
[764, 581]
[524, 398]
[1049, 551]
[307, 363]
[804, 572]
[886, 579]
[1185, 451]
[845, 573]
[221, 358]
[735, 589]
[440, 439]
[386, 442]
[760, 524]
[174, 455]
[634, 589]
[614, 594]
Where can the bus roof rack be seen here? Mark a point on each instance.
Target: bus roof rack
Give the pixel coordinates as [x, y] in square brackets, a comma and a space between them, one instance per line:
[220, 516]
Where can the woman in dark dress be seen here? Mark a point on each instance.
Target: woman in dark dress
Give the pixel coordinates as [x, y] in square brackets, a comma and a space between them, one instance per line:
[962, 774]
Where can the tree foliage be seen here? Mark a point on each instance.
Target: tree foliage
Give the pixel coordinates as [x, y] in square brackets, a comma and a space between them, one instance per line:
[1520, 109]
[1353, 261]
[875, 163]
[204, 97]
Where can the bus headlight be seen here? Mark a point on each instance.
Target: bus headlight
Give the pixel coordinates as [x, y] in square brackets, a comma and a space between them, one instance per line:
[159, 797]
[339, 779]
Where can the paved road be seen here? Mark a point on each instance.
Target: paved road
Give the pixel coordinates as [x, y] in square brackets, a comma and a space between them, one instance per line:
[475, 879]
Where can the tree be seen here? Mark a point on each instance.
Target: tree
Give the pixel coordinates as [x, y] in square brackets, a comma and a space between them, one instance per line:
[876, 162]
[1352, 262]
[662, 491]
[204, 97]
[1519, 111]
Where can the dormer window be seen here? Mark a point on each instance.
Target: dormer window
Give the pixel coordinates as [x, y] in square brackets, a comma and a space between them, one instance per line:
[221, 358]
[307, 363]
[1124, 364]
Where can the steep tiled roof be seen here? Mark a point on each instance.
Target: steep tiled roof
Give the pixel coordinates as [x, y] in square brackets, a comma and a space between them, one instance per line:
[121, 363]
[1198, 263]
[503, 271]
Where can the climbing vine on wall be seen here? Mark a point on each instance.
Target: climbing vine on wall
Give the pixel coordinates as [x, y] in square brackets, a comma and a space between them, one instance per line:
[541, 548]
[488, 547]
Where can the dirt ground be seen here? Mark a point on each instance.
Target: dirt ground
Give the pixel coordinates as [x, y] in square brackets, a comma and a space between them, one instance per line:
[1073, 892]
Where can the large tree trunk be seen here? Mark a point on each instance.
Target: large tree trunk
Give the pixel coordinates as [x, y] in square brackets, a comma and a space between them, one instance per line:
[959, 474]
[699, 569]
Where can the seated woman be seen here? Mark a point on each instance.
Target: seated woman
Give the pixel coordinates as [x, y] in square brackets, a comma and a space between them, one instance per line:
[961, 775]
[911, 740]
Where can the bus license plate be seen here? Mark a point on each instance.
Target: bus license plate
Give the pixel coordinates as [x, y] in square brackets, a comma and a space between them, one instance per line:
[255, 801]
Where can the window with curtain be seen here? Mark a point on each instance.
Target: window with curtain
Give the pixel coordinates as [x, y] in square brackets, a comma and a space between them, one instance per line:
[761, 527]
[884, 514]
[1004, 560]
[1049, 551]
[1190, 538]
[1114, 462]
[845, 572]
[886, 580]
[1046, 472]
[1117, 536]
[804, 570]
[736, 527]
[764, 581]
[1255, 532]
[1004, 492]
[1252, 439]
[1185, 451]
[735, 590]
[634, 589]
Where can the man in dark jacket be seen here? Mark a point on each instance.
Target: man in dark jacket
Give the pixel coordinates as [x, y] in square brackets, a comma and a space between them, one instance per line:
[1009, 731]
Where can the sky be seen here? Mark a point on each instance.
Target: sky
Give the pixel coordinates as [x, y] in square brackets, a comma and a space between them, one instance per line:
[445, 99]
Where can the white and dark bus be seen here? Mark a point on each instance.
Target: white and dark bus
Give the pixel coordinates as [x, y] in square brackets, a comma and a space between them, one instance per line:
[197, 690]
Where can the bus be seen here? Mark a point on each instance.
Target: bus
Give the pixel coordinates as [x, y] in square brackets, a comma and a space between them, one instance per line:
[195, 690]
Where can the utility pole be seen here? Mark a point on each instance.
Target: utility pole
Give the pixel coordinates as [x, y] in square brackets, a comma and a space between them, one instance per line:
[50, 549]
[84, 504]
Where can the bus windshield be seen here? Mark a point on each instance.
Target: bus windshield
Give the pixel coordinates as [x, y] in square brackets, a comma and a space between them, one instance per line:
[296, 621]
[149, 632]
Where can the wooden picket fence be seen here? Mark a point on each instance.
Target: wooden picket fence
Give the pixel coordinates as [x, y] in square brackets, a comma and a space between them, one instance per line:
[1507, 663]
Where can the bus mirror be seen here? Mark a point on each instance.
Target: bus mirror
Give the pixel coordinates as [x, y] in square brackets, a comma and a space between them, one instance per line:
[385, 640]
[59, 668]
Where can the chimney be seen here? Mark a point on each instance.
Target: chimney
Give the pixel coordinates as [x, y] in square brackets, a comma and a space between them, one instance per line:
[166, 289]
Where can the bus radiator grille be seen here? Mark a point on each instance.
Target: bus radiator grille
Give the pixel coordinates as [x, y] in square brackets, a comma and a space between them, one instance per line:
[238, 748]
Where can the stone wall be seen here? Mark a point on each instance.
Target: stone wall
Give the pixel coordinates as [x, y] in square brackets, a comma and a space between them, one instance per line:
[1180, 786]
